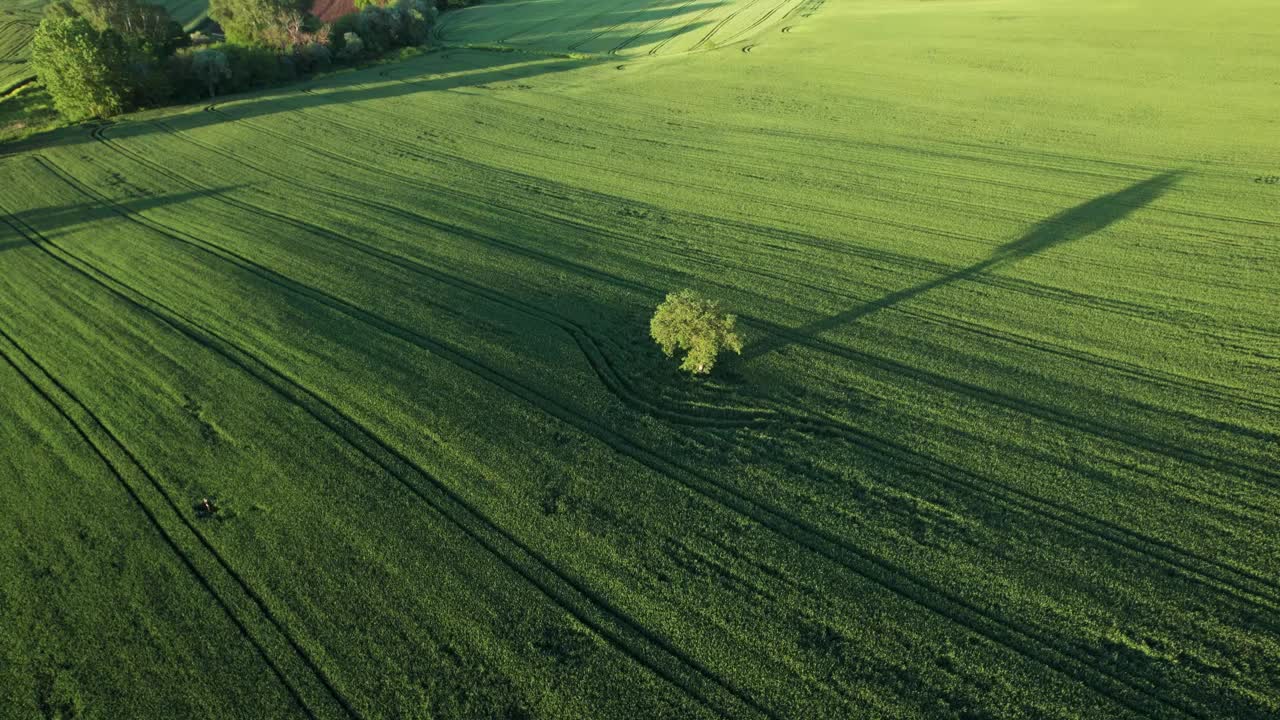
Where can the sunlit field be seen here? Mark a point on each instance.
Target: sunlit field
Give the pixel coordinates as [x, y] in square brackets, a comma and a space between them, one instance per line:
[1002, 442]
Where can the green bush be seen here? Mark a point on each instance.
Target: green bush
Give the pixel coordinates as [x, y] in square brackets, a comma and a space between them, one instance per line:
[87, 71]
[146, 27]
[211, 68]
[251, 21]
[352, 47]
[690, 322]
[254, 67]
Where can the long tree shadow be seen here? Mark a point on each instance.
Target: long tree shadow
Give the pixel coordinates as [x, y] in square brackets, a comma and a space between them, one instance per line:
[56, 220]
[1073, 224]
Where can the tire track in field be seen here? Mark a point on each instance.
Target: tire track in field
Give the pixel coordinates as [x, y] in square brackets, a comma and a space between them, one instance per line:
[554, 19]
[683, 28]
[716, 28]
[1182, 319]
[926, 267]
[810, 138]
[727, 420]
[619, 629]
[755, 24]
[108, 444]
[1045, 412]
[1017, 637]
[618, 24]
[616, 383]
[814, 160]
[1203, 388]
[383, 208]
[657, 23]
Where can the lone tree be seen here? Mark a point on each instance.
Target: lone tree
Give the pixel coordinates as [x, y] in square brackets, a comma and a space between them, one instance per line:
[690, 322]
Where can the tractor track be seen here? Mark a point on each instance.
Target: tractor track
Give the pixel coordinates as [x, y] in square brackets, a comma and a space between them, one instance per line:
[108, 443]
[543, 574]
[822, 542]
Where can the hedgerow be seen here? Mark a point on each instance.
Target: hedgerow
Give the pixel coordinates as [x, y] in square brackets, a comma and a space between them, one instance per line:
[100, 58]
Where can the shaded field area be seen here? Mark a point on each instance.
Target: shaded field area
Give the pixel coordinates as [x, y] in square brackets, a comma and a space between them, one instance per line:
[625, 28]
[16, 29]
[1002, 441]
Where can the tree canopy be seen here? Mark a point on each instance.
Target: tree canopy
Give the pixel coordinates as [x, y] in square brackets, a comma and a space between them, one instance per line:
[688, 321]
[84, 69]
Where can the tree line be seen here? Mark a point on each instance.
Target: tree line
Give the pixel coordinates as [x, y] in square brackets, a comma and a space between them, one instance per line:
[99, 58]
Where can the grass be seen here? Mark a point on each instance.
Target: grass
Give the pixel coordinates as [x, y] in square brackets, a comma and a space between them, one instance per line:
[27, 111]
[1002, 442]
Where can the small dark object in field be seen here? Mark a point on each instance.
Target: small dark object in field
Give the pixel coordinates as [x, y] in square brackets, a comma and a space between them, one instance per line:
[206, 508]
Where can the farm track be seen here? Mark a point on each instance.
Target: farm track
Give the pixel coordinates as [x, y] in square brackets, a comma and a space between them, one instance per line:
[1014, 636]
[611, 28]
[874, 185]
[692, 23]
[755, 24]
[88, 426]
[592, 610]
[1121, 435]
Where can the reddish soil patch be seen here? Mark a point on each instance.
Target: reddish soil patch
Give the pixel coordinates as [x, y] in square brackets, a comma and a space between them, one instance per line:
[330, 10]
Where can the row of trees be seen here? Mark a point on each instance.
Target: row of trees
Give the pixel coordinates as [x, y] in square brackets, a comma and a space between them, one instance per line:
[99, 58]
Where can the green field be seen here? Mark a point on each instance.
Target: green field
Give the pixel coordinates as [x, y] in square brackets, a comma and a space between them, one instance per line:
[1003, 441]
[17, 25]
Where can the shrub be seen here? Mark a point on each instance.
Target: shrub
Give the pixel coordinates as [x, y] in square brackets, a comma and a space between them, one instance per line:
[250, 21]
[254, 67]
[690, 322]
[291, 30]
[352, 47]
[313, 57]
[376, 26]
[146, 27]
[210, 67]
[86, 70]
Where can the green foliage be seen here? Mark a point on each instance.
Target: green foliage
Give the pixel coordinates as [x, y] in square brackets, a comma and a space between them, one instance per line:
[352, 47]
[147, 27]
[211, 68]
[251, 21]
[687, 321]
[86, 70]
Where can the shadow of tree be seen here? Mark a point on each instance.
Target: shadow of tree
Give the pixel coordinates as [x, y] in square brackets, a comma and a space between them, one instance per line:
[55, 220]
[1073, 224]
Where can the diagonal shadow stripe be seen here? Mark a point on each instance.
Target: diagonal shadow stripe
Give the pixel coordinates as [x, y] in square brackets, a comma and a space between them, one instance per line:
[1075, 223]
